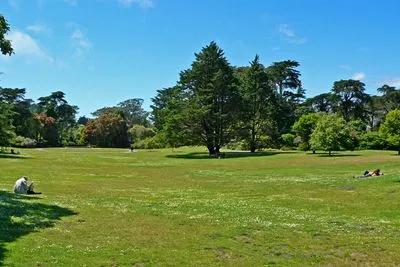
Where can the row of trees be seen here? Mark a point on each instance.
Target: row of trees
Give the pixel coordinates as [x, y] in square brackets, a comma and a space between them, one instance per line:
[51, 121]
[213, 104]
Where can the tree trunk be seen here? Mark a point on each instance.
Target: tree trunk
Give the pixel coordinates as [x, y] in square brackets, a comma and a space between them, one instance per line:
[398, 152]
[253, 140]
[211, 150]
[330, 153]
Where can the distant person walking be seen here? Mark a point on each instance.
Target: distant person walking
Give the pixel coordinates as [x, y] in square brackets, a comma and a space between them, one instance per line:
[23, 187]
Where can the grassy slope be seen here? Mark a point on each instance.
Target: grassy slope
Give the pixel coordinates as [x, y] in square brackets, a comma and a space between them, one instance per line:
[109, 207]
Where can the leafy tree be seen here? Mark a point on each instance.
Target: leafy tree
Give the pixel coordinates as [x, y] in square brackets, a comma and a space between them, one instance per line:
[351, 98]
[330, 133]
[109, 130]
[289, 91]
[321, 103]
[171, 120]
[133, 112]
[78, 135]
[258, 100]
[22, 118]
[305, 126]
[391, 129]
[139, 132]
[55, 106]
[288, 140]
[372, 140]
[386, 89]
[161, 107]
[6, 127]
[82, 120]
[375, 111]
[46, 130]
[104, 110]
[5, 44]
[286, 78]
[207, 98]
[391, 101]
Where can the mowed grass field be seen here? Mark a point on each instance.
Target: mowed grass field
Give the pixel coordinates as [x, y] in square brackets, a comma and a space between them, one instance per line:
[109, 207]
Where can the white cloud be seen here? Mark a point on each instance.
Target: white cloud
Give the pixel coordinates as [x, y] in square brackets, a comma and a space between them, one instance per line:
[290, 35]
[141, 3]
[24, 45]
[391, 82]
[38, 28]
[358, 76]
[284, 29]
[80, 42]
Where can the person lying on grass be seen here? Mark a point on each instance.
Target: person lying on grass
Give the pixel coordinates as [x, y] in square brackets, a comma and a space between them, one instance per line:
[23, 187]
[376, 172]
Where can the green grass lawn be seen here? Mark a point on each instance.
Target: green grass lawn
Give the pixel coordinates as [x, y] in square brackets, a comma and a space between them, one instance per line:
[109, 207]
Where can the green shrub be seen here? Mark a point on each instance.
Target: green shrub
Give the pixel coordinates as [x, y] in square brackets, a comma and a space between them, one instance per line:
[372, 140]
[288, 140]
[21, 141]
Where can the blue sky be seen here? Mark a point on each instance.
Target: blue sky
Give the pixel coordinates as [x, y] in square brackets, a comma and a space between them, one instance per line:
[101, 52]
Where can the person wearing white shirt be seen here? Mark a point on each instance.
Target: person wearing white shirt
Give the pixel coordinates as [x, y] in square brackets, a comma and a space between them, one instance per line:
[23, 187]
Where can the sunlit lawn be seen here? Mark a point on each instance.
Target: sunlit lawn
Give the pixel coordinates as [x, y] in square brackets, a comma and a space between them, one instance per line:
[109, 207]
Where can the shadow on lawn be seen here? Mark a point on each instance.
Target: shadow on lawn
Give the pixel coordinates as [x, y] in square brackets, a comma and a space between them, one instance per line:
[333, 154]
[11, 156]
[227, 155]
[21, 215]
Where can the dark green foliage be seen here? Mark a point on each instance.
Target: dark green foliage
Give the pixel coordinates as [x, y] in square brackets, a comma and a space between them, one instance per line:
[201, 108]
[288, 89]
[133, 112]
[325, 102]
[372, 140]
[83, 120]
[258, 103]
[5, 44]
[286, 79]
[304, 127]
[350, 99]
[6, 127]
[390, 129]
[56, 107]
[162, 106]
[21, 117]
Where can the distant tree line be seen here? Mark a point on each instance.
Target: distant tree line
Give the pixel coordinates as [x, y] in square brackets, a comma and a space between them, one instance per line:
[215, 105]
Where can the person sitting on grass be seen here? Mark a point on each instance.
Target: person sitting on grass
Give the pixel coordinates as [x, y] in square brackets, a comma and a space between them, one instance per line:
[22, 187]
[376, 172]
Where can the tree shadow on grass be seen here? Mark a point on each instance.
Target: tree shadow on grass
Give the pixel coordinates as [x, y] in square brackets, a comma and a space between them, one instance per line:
[11, 156]
[21, 215]
[333, 154]
[227, 155]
